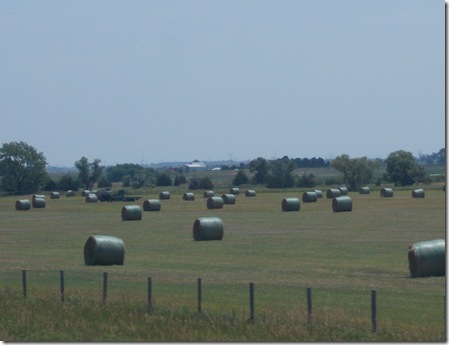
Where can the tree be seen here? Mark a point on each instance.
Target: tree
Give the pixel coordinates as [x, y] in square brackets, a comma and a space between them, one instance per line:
[402, 168]
[163, 179]
[280, 173]
[205, 183]
[260, 166]
[67, 182]
[356, 171]
[22, 168]
[179, 179]
[88, 173]
[240, 178]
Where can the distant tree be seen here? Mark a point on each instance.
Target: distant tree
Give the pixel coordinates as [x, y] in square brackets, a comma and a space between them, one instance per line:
[67, 182]
[356, 171]
[88, 173]
[280, 173]
[194, 183]
[22, 168]
[163, 179]
[306, 181]
[49, 183]
[103, 182]
[119, 171]
[240, 178]
[260, 167]
[402, 168]
[205, 183]
[179, 179]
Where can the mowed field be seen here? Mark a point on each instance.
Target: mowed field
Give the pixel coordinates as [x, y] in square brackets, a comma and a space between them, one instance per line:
[341, 256]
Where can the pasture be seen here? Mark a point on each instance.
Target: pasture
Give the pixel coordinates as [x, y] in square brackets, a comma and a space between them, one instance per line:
[341, 256]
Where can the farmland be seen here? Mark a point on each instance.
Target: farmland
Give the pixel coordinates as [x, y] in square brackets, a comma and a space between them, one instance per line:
[342, 256]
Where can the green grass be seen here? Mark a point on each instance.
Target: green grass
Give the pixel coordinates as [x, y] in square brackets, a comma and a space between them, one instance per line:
[341, 256]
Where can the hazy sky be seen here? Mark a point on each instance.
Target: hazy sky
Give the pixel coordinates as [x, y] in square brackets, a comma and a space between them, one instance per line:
[177, 80]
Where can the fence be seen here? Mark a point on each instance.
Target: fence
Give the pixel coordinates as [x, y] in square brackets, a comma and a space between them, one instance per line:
[251, 318]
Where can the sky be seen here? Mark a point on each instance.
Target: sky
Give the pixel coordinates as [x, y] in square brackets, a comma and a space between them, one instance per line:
[128, 81]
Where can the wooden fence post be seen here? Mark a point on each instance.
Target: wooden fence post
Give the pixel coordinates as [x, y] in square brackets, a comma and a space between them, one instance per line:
[309, 305]
[199, 295]
[24, 284]
[105, 286]
[150, 294]
[374, 310]
[251, 301]
[61, 276]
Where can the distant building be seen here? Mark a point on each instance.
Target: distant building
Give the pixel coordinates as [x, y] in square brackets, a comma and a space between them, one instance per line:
[196, 165]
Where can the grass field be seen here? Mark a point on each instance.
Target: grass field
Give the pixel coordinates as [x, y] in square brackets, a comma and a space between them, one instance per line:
[341, 256]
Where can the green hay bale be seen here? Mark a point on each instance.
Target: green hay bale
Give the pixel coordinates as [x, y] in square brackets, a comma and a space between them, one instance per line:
[342, 204]
[23, 205]
[343, 190]
[38, 202]
[215, 202]
[164, 195]
[91, 197]
[386, 193]
[235, 191]
[290, 204]
[208, 194]
[319, 193]
[188, 197]
[152, 205]
[250, 193]
[85, 192]
[309, 197]
[38, 196]
[208, 229]
[364, 190]
[70, 193]
[418, 193]
[427, 258]
[228, 199]
[104, 250]
[131, 212]
[54, 195]
[333, 193]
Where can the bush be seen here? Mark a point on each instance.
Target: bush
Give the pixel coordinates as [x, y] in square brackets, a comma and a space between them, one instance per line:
[240, 178]
[163, 179]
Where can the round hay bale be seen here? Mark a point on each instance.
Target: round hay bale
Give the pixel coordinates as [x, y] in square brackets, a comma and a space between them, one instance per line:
[164, 195]
[38, 202]
[215, 202]
[208, 194]
[235, 191]
[418, 193]
[343, 190]
[333, 193]
[290, 204]
[250, 193]
[207, 229]
[131, 212]
[364, 190]
[69, 193]
[91, 197]
[23, 205]
[427, 258]
[309, 197]
[386, 193]
[342, 204]
[319, 194]
[188, 197]
[228, 199]
[152, 205]
[104, 250]
[54, 195]
[85, 192]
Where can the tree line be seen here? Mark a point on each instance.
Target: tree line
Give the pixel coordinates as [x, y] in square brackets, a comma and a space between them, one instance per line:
[23, 171]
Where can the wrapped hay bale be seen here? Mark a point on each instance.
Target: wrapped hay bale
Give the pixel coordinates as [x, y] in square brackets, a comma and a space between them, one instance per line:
[418, 193]
[85, 192]
[208, 194]
[23, 205]
[188, 197]
[290, 204]
[228, 199]
[131, 212]
[104, 250]
[319, 193]
[309, 197]
[427, 258]
[152, 205]
[250, 193]
[54, 195]
[38, 196]
[69, 193]
[235, 191]
[38, 202]
[343, 190]
[364, 190]
[91, 197]
[207, 229]
[342, 204]
[333, 193]
[386, 193]
[215, 202]
[164, 195]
